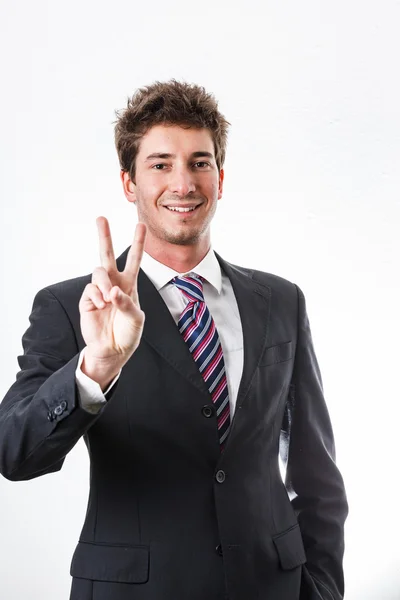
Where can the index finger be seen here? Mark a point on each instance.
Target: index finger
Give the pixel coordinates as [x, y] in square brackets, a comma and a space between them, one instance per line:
[107, 257]
[135, 253]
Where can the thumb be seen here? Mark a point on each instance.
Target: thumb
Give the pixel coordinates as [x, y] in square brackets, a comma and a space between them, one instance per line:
[121, 300]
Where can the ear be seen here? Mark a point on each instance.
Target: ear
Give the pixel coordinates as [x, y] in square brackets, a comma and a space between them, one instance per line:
[129, 186]
[221, 183]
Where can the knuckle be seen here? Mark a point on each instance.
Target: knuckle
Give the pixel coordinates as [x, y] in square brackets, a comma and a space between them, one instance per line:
[100, 276]
[92, 291]
[89, 287]
[98, 272]
[108, 254]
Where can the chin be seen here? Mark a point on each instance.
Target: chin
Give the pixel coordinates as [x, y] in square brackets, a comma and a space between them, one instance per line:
[185, 239]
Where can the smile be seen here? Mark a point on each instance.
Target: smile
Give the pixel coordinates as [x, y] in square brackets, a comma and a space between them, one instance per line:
[181, 210]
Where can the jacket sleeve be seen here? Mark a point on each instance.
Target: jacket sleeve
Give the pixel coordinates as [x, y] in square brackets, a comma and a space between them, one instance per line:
[313, 480]
[91, 397]
[41, 418]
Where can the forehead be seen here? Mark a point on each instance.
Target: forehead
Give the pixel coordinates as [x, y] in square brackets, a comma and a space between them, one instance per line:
[173, 139]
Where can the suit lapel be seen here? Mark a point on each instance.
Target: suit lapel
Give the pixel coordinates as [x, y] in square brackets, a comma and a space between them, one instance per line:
[253, 299]
[161, 332]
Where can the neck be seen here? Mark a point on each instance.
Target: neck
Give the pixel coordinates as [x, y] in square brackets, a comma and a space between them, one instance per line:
[180, 258]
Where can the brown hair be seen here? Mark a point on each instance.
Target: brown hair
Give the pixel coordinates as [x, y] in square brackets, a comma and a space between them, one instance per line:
[169, 103]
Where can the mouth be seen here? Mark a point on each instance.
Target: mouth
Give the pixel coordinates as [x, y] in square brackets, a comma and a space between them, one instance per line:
[183, 212]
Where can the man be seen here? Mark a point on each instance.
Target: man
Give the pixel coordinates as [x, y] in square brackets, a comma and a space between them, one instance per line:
[184, 373]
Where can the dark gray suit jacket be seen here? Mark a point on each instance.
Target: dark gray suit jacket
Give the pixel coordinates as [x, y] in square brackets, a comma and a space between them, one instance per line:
[169, 517]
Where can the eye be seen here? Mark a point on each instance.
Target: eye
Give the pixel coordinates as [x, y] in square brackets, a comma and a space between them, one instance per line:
[202, 164]
[159, 166]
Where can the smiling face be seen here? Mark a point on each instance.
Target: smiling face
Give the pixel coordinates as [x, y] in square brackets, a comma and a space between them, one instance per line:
[175, 167]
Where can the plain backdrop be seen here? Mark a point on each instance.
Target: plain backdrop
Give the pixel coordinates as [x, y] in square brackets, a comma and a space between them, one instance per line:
[311, 193]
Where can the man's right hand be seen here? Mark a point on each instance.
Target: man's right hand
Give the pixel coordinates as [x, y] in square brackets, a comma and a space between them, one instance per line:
[111, 318]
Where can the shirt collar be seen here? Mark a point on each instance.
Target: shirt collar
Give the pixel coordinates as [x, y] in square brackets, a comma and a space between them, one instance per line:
[159, 274]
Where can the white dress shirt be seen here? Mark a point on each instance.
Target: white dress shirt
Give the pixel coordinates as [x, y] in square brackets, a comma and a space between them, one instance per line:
[221, 302]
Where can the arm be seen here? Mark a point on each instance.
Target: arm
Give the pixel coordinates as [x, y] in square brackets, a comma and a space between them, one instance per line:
[40, 417]
[313, 479]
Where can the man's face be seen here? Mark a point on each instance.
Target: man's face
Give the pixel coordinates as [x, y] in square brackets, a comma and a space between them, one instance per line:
[175, 167]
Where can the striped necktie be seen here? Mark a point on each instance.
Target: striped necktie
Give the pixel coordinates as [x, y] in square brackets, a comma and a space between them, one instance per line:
[197, 327]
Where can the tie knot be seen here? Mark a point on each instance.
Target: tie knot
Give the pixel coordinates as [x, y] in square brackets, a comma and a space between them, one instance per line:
[191, 286]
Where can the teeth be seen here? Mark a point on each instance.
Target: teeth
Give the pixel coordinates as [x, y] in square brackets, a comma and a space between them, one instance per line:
[181, 209]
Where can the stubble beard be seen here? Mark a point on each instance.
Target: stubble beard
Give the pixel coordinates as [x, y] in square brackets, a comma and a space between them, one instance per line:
[179, 238]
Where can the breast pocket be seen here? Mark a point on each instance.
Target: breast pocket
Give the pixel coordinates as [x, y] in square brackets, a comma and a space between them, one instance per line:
[277, 354]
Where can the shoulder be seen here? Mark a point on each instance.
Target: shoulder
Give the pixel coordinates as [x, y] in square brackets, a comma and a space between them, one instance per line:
[273, 281]
[285, 295]
[59, 302]
[69, 290]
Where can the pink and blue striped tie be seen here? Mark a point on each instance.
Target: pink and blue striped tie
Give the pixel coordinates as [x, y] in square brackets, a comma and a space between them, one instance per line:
[199, 332]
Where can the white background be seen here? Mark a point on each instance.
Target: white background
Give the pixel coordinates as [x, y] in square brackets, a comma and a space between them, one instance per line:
[312, 193]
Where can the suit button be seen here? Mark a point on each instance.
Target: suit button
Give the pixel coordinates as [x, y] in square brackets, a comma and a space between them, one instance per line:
[219, 550]
[220, 476]
[60, 408]
[207, 411]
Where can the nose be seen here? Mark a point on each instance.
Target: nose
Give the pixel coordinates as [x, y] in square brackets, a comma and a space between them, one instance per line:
[182, 182]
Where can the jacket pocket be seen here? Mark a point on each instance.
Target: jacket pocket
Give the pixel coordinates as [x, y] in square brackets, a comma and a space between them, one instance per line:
[290, 548]
[103, 562]
[276, 354]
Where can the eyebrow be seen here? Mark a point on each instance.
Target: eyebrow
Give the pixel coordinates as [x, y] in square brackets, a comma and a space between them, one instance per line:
[199, 154]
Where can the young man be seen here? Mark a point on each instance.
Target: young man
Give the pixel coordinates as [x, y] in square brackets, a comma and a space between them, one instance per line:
[184, 373]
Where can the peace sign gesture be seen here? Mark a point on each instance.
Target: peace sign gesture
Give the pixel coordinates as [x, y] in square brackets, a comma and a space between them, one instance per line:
[111, 318]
